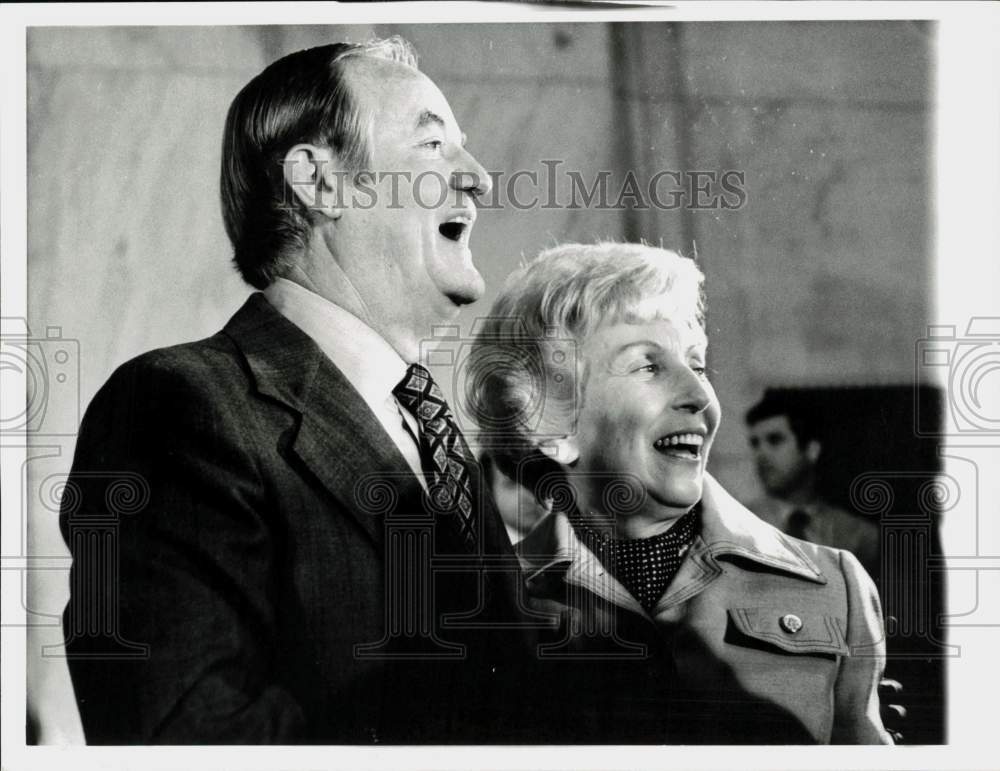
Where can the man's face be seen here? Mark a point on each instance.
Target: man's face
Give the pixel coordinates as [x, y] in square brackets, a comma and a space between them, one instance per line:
[648, 414]
[405, 242]
[781, 463]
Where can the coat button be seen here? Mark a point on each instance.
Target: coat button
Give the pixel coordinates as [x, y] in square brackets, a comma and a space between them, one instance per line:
[791, 623]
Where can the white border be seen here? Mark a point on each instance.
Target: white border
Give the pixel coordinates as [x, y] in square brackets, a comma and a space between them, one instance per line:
[967, 282]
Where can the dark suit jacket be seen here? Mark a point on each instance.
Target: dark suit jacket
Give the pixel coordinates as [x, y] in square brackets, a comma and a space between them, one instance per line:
[232, 510]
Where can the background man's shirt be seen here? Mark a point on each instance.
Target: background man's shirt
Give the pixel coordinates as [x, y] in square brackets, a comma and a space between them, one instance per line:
[827, 525]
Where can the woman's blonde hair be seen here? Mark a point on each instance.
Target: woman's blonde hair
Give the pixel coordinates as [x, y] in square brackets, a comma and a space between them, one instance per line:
[524, 381]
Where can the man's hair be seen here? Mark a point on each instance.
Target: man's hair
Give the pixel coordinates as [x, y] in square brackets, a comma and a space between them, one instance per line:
[776, 403]
[303, 97]
[523, 375]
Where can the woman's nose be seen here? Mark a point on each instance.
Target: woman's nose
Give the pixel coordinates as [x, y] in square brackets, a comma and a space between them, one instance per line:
[692, 392]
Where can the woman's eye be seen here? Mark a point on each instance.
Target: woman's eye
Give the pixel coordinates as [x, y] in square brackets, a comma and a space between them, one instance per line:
[650, 367]
[434, 144]
[699, 370]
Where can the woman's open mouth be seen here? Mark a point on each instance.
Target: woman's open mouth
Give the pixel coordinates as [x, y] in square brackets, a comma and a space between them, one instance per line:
[685, 446]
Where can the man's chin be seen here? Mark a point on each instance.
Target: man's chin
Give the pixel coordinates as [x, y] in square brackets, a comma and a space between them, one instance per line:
[461, 299]
[466, 294]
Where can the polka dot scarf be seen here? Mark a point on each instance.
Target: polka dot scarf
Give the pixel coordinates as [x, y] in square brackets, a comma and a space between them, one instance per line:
[644, 566]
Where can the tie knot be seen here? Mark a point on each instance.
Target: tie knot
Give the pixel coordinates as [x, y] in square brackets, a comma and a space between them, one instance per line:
[418, 392]
[418, 370]
[797, 523]
[799, 516]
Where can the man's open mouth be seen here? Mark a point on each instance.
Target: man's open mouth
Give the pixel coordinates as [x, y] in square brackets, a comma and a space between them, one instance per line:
[687, 446]
[457, 228]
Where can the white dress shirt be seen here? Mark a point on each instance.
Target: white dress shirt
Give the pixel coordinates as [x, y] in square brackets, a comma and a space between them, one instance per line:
[368, 362]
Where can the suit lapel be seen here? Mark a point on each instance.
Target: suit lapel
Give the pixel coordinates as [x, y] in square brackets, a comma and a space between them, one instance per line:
[337, 438]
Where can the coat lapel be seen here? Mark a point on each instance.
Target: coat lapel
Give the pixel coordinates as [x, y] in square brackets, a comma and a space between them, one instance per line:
[730, 528]
[727, 528]
[337, 437]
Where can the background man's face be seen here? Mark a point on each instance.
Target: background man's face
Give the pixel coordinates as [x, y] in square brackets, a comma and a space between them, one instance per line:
[781, 463]
[411, 243]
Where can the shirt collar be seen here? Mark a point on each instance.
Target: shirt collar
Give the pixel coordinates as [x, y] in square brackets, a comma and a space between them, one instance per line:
[727, 527]
[368, 362]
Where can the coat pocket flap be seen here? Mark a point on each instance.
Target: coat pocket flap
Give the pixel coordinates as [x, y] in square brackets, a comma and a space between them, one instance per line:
[792, 631]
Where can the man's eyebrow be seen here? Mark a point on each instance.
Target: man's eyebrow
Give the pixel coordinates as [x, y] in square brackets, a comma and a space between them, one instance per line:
[429, 117]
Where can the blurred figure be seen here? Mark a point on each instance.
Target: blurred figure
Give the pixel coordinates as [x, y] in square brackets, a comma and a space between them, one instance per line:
[786, 450]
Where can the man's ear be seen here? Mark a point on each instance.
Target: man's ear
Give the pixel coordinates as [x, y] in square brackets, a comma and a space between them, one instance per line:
[813, 449]
[562, 449]
[311, 172]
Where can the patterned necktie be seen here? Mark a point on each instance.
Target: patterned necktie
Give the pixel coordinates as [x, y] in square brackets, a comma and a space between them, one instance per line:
[443, 453]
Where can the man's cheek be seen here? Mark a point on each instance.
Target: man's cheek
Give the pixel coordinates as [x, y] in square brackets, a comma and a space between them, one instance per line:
[430, 190]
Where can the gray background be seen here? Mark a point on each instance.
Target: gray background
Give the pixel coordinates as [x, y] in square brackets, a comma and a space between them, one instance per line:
[823, 278]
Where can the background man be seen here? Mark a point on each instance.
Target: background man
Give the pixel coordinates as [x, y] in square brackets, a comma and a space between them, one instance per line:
[786, 450]
[291, 475]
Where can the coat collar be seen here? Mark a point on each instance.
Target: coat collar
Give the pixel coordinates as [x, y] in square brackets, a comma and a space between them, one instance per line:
[337, 437]
[730, 528]
[727, 528]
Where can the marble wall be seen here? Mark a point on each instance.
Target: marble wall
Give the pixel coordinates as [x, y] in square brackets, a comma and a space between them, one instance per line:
[822, 277]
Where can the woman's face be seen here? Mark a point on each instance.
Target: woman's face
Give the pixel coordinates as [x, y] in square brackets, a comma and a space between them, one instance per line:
[648, 417]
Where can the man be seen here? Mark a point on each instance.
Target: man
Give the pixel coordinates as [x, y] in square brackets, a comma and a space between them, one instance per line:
[279, 502]
[787, 450]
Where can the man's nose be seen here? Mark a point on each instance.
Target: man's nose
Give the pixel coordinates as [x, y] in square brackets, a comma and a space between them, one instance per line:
[469, 176]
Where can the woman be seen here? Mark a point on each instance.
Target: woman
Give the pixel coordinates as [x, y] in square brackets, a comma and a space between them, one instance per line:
[678, 615]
